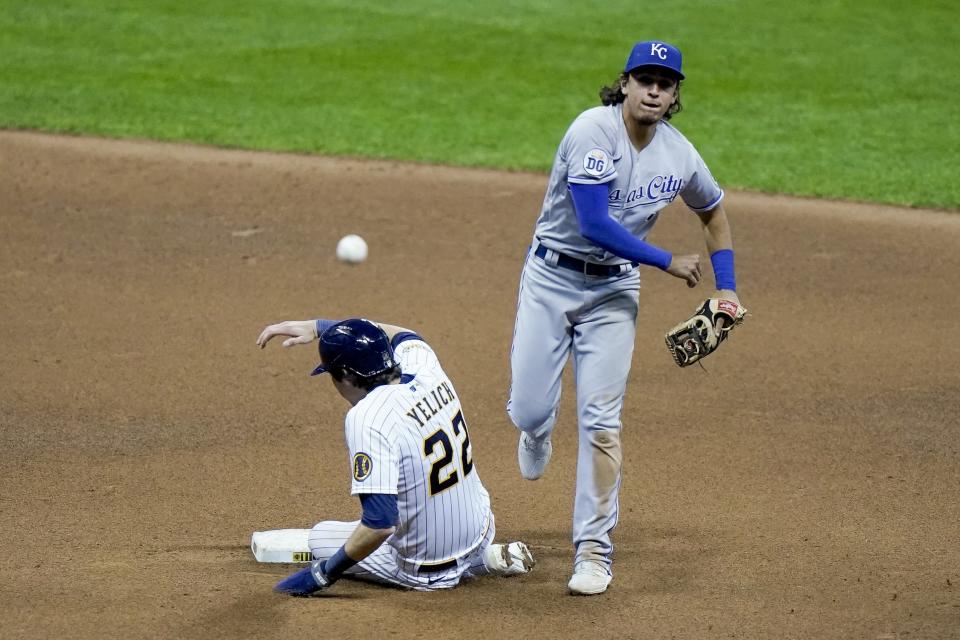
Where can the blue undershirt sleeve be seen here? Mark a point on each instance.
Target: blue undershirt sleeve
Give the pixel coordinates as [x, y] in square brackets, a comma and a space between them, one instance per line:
[403, 336]
[379, 510]
[322, 324]
[596, 225]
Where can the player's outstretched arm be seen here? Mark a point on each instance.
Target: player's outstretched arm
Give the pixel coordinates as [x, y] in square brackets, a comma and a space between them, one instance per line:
[296, 332]
[596, 225]
[306, 331]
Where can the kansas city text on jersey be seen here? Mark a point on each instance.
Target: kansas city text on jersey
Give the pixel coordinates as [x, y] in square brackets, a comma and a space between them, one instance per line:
[658, 189]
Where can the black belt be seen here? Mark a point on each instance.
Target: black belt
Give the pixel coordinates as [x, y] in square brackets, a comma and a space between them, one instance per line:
[437, 568]
[588, 268]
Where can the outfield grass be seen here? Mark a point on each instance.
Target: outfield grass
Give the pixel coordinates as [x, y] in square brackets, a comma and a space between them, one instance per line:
[846, 99]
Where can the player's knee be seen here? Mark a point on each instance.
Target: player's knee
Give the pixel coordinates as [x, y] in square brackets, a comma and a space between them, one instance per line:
[530, 416]
[604, 438]
[605, 442]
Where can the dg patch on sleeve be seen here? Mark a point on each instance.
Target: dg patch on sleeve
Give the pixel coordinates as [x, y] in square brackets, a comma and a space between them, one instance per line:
[596, 162]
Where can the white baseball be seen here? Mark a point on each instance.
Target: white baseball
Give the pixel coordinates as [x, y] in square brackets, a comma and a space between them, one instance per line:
[352, 248]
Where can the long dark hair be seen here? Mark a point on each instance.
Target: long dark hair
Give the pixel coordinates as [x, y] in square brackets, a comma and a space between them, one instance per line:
[614, 95]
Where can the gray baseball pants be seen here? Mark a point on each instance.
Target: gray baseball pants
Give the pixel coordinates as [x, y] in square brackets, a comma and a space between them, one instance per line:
[559, 312]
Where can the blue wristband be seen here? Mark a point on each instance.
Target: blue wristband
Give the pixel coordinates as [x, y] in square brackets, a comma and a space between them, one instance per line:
[335, 566]
[723, 272]
[323, 324]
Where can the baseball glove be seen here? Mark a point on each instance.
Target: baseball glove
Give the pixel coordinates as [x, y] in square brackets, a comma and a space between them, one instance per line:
[700, 335]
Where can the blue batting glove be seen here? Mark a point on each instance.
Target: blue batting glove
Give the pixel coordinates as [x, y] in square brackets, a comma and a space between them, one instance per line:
[304, 582]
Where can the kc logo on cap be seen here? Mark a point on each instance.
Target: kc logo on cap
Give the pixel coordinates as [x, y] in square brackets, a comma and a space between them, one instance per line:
[653, 53]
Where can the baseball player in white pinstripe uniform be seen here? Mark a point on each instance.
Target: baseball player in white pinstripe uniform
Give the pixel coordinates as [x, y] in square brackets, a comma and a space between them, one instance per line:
[412, 466]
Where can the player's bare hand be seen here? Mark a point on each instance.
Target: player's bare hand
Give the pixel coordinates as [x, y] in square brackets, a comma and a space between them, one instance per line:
[727, 294]
[686, 267]
[296, 332]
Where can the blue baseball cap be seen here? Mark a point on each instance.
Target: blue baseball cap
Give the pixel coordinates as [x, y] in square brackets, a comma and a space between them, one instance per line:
[655, 54]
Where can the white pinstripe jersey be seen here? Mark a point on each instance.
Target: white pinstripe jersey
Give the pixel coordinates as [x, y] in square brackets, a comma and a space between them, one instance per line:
[410, 439]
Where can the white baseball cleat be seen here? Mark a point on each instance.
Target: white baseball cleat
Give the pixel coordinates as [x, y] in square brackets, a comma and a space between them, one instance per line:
[533, 456]
[589, 579]
[510, 559]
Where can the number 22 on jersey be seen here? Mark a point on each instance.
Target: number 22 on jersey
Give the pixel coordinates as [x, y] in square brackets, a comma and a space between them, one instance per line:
[444, 473]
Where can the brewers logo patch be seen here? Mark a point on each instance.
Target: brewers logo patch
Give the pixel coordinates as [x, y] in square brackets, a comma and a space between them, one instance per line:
[362, 466]
[595, 162]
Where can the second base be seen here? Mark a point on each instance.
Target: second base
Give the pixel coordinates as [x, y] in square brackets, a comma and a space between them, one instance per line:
[281, 545]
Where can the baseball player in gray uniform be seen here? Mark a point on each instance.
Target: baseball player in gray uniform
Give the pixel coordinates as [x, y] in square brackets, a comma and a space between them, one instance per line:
[615, 170]
[412, 466]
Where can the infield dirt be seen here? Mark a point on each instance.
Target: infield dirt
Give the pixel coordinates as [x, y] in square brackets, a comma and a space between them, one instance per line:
[806, 485]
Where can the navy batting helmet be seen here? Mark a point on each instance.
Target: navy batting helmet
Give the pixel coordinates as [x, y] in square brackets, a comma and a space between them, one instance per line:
[357, 346]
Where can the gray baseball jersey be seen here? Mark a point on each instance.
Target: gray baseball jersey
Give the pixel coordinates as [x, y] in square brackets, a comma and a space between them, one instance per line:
[596, 149]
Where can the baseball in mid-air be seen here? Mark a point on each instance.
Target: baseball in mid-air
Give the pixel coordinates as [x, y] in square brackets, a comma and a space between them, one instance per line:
[352, 248]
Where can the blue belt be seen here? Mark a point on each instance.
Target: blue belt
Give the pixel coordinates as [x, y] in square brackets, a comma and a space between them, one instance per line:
[588, 268]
